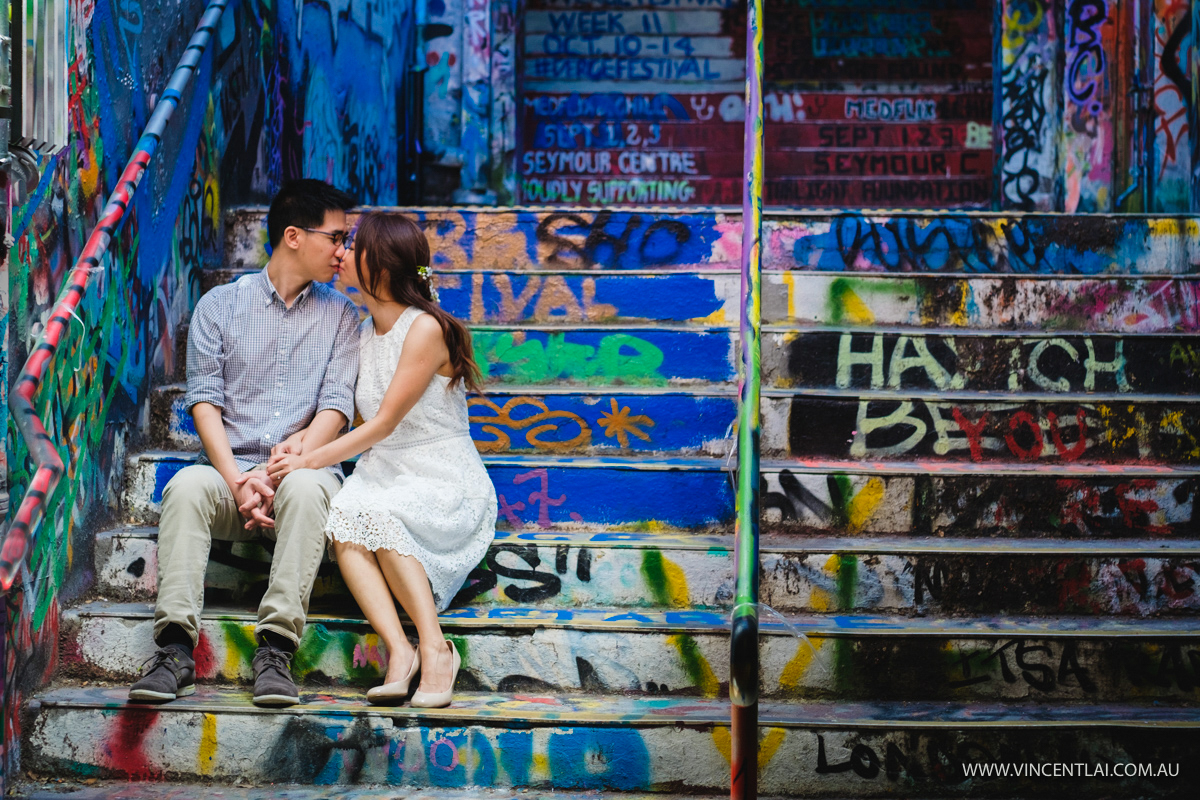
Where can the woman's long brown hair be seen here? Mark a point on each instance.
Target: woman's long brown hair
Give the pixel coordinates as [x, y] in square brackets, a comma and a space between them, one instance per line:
[394, 248]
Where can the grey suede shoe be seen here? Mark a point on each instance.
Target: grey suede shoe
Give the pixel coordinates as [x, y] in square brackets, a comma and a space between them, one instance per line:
[166, 675]
[273, 684]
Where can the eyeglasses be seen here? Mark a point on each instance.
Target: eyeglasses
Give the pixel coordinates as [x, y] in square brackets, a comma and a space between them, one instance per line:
[338, 238]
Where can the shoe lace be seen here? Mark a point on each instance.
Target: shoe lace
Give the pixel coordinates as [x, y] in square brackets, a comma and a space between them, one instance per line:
[161, 658]
[273, 658]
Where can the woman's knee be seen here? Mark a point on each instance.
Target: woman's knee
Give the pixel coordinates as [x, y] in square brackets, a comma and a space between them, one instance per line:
[351, 550]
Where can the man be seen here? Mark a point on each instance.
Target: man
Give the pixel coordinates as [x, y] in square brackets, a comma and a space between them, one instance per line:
[272, 360]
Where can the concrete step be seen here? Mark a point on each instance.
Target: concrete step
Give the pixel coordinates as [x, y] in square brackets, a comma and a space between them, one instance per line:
[800, 574]
[969, 499]
[91, 789]
[618, 743]
[953, 359]
[512, 648]
[534, 491]
[981, 427]
[1129, 305]
[830, 423]
[1125, 304]
[592, 355]
[555, 420]
[962, 499]
[572, 298]
[836, 241]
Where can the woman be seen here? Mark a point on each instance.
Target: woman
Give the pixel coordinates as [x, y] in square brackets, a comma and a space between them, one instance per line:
[420, 510]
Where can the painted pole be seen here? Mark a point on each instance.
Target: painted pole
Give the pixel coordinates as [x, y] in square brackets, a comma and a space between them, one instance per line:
[1194, 122]
[41, 447]
[743, 644]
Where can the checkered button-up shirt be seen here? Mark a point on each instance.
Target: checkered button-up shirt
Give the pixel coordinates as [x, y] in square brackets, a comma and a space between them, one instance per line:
[270, 368]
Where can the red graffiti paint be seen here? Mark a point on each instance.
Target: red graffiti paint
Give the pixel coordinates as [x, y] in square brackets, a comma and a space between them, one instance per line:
[124, 750]
[1073, 452]
[206, 661]
[1136, 511]
[1034, 451]
[973, 431]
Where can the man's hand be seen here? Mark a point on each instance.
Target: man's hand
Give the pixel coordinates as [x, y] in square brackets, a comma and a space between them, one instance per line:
[255, 496]
[294, 444]
[280, 466]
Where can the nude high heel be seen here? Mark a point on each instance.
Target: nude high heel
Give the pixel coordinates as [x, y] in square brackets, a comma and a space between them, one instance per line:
[394, 693]
[439, 699]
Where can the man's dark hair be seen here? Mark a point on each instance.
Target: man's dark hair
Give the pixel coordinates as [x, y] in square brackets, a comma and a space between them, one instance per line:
[302, 203]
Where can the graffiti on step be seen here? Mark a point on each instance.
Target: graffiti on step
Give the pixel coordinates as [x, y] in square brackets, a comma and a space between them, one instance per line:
[506, 298]
[990, 363]
[637, 358]
[545, 584]
[972, 505]
[1006, 431]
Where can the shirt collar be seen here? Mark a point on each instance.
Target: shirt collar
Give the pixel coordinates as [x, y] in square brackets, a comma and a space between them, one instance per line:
[270, 293]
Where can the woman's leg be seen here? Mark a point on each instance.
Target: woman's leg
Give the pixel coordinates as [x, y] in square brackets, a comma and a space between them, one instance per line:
[407, 578]
[362, 574]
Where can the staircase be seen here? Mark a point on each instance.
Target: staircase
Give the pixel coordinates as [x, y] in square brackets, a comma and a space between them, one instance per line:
[979, 500]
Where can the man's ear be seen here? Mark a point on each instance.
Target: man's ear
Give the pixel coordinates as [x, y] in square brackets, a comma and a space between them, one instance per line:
[291, 237]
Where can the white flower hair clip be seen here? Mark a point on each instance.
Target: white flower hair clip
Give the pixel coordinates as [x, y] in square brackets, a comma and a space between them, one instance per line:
[426, 273]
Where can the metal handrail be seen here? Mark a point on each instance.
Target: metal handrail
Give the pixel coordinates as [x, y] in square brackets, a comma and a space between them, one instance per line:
[41, 446]
[743, 642]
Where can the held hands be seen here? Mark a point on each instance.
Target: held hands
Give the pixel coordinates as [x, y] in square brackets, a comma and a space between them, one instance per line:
[283, 464]
[294, 444]
[255, 497]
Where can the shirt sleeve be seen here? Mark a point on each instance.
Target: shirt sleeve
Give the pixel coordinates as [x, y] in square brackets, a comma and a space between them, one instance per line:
[337, 388]
[205, 355]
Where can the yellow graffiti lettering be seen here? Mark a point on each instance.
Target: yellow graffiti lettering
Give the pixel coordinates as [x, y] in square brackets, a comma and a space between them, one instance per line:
[512, 307]
[536, 424]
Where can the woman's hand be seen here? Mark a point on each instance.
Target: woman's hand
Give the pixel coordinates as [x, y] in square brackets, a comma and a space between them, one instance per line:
[282, 465]
[294, 444]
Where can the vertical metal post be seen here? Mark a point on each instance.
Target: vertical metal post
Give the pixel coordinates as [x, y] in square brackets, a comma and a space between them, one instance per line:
[743, 645]
[1194, 122]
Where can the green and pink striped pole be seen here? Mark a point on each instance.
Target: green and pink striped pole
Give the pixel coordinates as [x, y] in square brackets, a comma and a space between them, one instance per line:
[743, 646]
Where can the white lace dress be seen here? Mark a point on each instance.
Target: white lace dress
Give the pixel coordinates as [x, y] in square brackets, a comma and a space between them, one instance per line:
[423, 491]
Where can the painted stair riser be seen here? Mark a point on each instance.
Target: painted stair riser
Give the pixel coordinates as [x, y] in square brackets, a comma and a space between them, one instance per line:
[531, 497]
[1073, 506]
[862, 664]
[575, 575]
[1110, 304]
[506, 298]
[565, 423]
[1069, 506]
[599, 357]
[913, 360]
[375, 749]
[851, 241]
[1010, 431]
[866, 427]
[1119, 305]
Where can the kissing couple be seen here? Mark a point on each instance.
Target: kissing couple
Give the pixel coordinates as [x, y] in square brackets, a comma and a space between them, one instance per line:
[272, 363]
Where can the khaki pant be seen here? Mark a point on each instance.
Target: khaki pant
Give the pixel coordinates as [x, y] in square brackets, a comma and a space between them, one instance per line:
[198, 506]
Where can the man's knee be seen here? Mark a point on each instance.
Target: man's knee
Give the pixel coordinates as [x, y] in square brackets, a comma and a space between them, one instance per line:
[309, 487]
[199, 483]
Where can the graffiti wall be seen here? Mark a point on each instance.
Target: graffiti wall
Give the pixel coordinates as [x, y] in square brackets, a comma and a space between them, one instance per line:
[866, 104]
[1173, 60]
[279, 94]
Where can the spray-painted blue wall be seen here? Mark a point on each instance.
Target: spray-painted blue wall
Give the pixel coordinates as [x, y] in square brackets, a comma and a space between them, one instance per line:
[285, 90]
